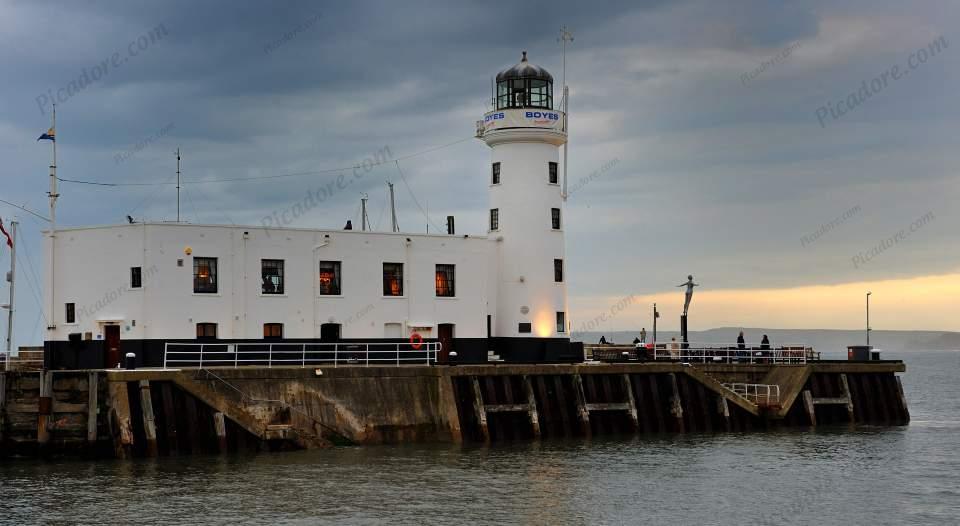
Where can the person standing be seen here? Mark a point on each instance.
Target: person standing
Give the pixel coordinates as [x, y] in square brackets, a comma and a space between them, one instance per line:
[643, 335]
[765, 343]
[741, 342]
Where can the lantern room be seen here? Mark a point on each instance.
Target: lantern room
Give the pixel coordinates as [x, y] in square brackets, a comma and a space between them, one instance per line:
[524, 85]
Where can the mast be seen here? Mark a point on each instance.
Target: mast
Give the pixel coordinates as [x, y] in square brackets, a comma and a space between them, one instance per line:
[363, 213]
[53, 224]
[11, 278]
[565, 36]
[178, 185]
[393, 209]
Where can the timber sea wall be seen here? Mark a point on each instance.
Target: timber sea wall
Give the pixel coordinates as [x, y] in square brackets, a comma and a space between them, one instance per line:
[156, 412]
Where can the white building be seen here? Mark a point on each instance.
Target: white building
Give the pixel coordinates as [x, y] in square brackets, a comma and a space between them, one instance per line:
[132, 287]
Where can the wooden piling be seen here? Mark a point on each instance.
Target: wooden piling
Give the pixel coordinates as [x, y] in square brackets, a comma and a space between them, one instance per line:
[900, 396]
[723, 409]
[169, 417]
[220, 428]
[3, 406]
[149, 422]
[532, 404]
[93, 406]
[632, 411]
[845, 390]
[657, 408]
[808, 405]
[676, 405]
[46, 408]
[480, 410]
[564, 407]
[121, 427]
[582, 413]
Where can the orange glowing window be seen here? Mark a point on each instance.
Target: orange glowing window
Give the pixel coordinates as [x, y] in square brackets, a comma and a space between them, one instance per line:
[445, 280]
[329, 278]
[393, 279]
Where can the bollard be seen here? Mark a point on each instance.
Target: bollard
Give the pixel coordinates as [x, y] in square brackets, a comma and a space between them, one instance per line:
[131, 361]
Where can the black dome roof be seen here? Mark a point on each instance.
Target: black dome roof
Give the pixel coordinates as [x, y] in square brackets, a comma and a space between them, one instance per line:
[524, 70]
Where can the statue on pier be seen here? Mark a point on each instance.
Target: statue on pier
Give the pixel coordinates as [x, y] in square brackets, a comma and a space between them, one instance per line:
[689, 295]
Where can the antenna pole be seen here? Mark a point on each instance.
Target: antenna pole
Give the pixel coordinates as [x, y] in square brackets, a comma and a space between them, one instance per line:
[393, 209]
[363, 213]
[53, 226]
[11, 279]
[565, 36]
[178, 185]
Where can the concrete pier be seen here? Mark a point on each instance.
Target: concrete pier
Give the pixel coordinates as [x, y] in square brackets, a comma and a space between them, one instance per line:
[152, 412]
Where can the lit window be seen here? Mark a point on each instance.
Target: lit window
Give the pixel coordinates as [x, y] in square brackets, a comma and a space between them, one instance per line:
[444, 278]
[558, 270]
[393, 279]
[136, 278]
[271, 273]
[553, 173]
[495, 219]
[561, 322]
[206, 331]
[71, 312]
[272, 331]
[496, 173]
[329, 278]
[555, 218]
[205, 275]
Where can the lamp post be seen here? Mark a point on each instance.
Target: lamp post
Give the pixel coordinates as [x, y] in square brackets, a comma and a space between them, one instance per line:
[655, 316]
[868, 318]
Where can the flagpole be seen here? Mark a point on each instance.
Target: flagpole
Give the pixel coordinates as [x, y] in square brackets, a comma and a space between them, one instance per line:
[53, 225]
[13, 270]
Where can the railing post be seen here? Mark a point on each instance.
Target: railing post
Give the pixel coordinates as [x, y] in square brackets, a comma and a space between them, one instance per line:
[336, 350]
[368, 355]
[201, 356]
[165, 349]
[303, 356]
[236, 356]
[270, 356]
[398, 355]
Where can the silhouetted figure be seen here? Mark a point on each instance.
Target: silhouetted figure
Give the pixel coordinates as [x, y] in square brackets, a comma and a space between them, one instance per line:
[603, 340]
[765, 343]
[643, 335]
[636, 341]
[741, 342]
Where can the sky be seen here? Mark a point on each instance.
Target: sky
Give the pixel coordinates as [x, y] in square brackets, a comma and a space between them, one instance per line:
[727, 140]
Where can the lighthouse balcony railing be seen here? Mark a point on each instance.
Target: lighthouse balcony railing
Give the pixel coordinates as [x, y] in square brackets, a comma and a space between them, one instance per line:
[734, 353]
[198, 355]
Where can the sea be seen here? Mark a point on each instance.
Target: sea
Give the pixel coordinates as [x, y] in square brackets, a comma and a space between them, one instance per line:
[823, 476]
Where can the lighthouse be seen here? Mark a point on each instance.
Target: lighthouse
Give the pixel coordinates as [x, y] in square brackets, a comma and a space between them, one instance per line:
[524, 131]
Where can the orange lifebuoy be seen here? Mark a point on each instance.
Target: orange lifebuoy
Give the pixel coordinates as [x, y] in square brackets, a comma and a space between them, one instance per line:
[416, 341]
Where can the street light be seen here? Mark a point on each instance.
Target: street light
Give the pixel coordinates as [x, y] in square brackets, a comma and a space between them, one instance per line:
[868, 318]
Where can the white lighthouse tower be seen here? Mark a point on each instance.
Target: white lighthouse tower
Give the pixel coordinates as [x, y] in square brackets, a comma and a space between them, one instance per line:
[524, 133]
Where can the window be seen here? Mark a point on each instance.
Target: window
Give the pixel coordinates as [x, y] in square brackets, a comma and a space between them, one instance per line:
[445, 275]
[136, 278]
[525, 328]
[524, 93]
[205, 275]
[555, 218]
[552, 170]
[207, 331]
[561, 322]
[272, 331]
[71, 313]
[329, 278]
[495, 219]
[393, 279]
[271, 273]
[558, 270]
[496, 173]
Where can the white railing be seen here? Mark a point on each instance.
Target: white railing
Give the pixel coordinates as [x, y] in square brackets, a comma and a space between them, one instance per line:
[199, 355]
[760, 394]
[734, 353]
[18, 363]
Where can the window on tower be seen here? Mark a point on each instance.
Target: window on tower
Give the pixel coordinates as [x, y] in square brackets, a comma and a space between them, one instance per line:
[561, 322]
[494, 219]
[496, 173]
[558, 270]
[555, 218]
[552, 168]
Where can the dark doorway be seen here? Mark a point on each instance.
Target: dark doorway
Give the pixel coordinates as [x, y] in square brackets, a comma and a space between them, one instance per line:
[489, 325]
[445, 335]
[330, 332]
[111, 334]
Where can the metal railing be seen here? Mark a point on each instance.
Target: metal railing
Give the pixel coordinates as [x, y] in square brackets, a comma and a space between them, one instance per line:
[19, 363]
[734, 353]
[760, 394]
[200, 355]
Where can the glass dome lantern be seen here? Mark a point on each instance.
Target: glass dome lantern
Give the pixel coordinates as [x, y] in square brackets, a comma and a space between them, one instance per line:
[524, 85]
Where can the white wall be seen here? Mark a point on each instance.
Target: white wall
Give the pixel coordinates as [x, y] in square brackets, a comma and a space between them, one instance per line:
[93, 271]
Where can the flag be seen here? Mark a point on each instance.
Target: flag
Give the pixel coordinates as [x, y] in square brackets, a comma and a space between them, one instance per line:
[51, 135]
[4, 232]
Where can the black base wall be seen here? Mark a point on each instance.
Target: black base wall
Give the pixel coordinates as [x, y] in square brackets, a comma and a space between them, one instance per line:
[91, 354]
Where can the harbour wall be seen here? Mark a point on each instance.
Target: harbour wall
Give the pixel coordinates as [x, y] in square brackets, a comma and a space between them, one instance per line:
[149, 412]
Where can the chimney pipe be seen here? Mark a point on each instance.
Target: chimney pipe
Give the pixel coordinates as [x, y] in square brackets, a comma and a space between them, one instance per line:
[450, 229]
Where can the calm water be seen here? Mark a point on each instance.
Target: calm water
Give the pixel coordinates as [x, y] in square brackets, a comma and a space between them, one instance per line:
[905, 475]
